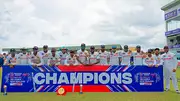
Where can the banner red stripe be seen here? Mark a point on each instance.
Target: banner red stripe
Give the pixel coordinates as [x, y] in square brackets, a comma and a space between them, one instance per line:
[80, 68]
[88, 88]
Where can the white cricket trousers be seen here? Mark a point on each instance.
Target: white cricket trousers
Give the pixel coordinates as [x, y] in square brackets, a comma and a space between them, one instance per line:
[170, 74]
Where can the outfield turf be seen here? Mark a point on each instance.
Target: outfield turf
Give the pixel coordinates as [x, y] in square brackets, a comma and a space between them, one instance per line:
[165, 96]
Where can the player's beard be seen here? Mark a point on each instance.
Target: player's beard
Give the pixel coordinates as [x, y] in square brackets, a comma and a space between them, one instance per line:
[53, 54]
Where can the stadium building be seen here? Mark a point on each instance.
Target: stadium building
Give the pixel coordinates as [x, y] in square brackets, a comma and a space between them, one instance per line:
[172, 26]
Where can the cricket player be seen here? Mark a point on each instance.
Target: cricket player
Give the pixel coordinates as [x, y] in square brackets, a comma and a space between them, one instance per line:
[114, 56]
[104, 56]
[23, 57]
[1, 60]
[53, 59]
[138, 56]
[82, 55]
[158, 58]
[63, 54]
[44, 54]
[126, 56]
[170, 66]
[149, 60]
[71, 59]
[34, 59]
[12, 59]
[93, 56]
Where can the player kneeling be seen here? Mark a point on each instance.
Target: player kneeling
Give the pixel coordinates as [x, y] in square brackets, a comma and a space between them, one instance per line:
[149, 60]
[71, 59]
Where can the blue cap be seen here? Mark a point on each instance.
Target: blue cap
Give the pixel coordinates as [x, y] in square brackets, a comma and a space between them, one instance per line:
[114, 47]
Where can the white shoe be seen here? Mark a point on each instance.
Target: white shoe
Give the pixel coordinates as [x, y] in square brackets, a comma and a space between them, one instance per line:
[177, 91]
[167, 90]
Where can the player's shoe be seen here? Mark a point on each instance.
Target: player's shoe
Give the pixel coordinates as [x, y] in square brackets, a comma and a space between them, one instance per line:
[177, 91]
[80, 92]
[4, 93]
[166, 89]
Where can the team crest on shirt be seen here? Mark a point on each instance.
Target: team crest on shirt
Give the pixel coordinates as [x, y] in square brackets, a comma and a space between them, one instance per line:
[42, 53]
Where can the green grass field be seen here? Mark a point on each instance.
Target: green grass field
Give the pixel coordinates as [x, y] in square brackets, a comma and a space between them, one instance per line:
[165, 96]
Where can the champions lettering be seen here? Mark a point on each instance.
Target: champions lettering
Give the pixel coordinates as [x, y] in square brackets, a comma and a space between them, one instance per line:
[82, 78]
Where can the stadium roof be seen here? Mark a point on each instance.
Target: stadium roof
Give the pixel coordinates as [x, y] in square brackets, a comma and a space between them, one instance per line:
[170, 5]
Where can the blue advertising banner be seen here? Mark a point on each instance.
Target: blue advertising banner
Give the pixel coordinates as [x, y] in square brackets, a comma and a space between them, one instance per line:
[93, 78]
[173, 32]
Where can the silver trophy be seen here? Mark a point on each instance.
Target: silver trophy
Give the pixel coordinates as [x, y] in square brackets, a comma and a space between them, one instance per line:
[5, 90]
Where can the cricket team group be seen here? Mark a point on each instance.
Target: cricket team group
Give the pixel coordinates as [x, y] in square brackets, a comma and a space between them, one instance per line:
[152, 59]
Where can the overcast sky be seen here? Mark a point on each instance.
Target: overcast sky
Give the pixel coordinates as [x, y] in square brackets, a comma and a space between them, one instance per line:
[25, 23]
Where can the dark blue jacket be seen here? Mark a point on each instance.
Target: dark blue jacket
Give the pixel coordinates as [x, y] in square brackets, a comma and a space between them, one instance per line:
[1, 61]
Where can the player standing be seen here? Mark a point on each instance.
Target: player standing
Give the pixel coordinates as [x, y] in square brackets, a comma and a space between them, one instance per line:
[170, 66]
[82, 55]
[93, 56]
[12, 59]
[126, 56]
[53, 59]
[34, 59]
[23, 57]
[63, 54]
[114, 56]
[1, 60]
[138, 56]
[149, 60]
[82, 58]
[44, 54]
[104, 56]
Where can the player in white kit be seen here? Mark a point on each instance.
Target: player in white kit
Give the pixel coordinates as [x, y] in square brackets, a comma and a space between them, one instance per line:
[53, 59]
[12, 59]
[104, 56]
[82, 55]
[149, 60]
[23, 57]
[170, 66]
[126, 56]
[157, 57]
[114, 56]
[93, 56]
[138, 56]
[63, 54]
[34, 59]
[71, 59]
[44, 55]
